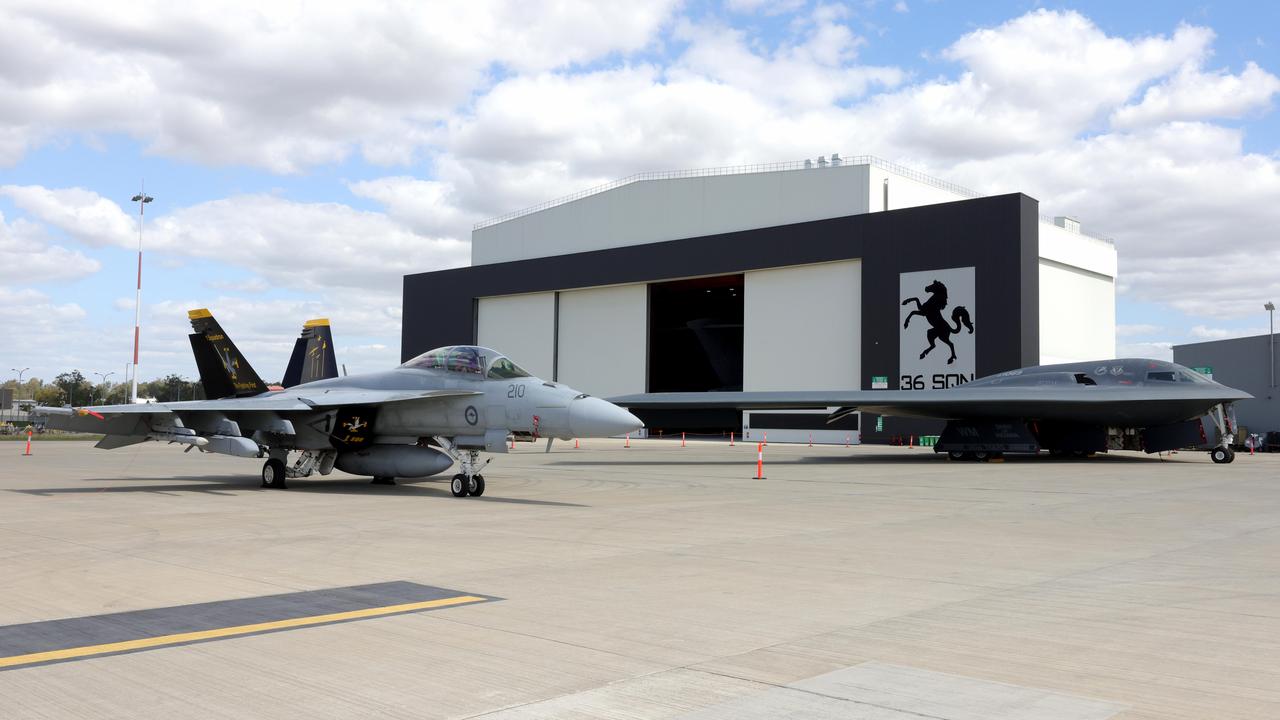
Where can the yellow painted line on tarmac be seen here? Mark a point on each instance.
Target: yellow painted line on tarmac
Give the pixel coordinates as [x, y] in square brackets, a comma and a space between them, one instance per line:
[180, 638]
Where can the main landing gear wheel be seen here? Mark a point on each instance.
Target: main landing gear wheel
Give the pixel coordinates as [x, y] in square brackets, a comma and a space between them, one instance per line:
[981, 455]
[1222, 455]
[955, 454]
[476, 488]
[459, 485]
[273, 474]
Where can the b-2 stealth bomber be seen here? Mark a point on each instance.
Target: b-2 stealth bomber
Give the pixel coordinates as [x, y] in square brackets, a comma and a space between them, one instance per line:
[1074, 408]
[416, 420]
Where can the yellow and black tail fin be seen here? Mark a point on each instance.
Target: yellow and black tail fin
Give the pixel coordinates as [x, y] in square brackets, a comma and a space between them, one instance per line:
[223, 370]
[313, 357]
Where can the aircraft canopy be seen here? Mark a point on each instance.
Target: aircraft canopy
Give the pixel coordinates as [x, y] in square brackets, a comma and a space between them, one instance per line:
[468, 359]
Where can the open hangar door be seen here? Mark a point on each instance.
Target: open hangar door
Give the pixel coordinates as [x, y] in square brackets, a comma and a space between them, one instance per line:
[695, 345]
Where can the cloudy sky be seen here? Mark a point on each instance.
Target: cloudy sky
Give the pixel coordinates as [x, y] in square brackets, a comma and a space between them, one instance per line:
[304, 156]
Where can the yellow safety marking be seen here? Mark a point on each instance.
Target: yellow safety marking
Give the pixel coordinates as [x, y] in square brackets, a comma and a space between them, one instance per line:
[162, 640]
[318, 322]
[198, 313]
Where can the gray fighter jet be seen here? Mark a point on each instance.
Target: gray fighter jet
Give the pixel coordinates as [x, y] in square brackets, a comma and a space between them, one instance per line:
[414, 421]
[1075, 408]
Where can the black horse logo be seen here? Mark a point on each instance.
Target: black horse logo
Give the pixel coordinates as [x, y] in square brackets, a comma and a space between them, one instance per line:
[931, 310]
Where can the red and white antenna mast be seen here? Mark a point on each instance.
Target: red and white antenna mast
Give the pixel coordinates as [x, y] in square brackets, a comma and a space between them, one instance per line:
[142, 199]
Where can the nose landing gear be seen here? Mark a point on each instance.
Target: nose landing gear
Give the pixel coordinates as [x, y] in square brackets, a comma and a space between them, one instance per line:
[469, 481]
[1222, 454]
[462, 486]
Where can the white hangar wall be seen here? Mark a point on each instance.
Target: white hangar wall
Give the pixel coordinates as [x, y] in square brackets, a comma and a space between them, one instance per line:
[802, 327]
[902, 190]
[522, 327]
[603, 344]
[649, 211]
[1077, 296]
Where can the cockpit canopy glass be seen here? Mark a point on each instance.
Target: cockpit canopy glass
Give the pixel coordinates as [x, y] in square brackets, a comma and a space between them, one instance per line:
[503, 369]
[469, 360]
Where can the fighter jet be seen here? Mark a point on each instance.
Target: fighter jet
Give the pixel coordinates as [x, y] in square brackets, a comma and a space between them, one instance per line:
[1074, 408]
[444, 406]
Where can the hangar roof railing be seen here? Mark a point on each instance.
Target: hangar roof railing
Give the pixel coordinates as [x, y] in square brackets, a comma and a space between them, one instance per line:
[807, 164]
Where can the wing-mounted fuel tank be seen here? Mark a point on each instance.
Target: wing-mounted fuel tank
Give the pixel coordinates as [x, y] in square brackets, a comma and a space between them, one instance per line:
[404, 461]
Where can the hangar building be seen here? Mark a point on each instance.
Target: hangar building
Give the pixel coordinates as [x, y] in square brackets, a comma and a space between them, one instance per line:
[795, 276]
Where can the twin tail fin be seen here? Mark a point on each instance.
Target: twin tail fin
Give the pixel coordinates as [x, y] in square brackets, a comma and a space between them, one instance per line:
[224, 372]
[313, 358]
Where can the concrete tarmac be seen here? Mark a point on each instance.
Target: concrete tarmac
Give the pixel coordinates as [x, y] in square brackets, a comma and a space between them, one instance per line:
[660, 582]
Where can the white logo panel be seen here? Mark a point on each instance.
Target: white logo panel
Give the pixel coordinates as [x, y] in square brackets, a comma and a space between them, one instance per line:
[936, 343]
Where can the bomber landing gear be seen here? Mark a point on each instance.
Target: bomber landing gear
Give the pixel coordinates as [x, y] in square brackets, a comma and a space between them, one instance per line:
[273, 474]
[1222, 454]
[381, 480]
[979, 455]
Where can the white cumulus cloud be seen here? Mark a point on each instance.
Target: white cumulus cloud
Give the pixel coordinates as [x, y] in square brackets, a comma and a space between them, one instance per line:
[26, 256]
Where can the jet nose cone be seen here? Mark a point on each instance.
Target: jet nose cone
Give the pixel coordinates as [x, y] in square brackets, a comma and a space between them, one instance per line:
[593, 417]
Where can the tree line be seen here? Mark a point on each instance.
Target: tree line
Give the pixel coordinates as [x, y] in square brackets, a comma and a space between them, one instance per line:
[73, 388]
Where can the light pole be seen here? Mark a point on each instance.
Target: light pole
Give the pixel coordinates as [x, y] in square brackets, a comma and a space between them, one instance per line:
[1270, 307]
[142, 199]
[18, 389]
[104, 376]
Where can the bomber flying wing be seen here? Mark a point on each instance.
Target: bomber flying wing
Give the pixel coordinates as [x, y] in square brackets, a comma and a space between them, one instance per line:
[1138, 405]
[1081, 407]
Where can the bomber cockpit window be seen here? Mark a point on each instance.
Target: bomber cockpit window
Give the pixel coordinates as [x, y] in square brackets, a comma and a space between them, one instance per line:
[1162, 376]
[504, 369]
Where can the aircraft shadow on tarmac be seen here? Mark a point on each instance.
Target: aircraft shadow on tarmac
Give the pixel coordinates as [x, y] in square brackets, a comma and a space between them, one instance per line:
[223, 485]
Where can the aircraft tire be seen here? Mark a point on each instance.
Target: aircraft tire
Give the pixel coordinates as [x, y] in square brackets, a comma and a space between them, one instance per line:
[1221, 455]
[981, 455]
[458, 485]
[273, 474]
[477, 486]
[955, 454]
